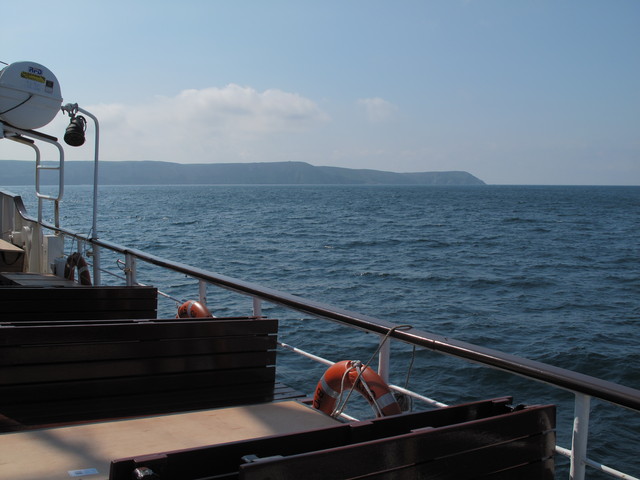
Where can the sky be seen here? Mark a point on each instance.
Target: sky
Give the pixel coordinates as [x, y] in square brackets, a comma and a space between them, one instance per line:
[513, 92]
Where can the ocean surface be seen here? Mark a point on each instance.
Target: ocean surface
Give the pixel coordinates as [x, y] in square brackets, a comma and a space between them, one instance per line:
[548, 273]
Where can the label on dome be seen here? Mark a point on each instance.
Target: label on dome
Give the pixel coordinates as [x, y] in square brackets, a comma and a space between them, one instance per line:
[33, 76]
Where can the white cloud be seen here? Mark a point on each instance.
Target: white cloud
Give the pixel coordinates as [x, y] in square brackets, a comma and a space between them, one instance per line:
[228, 124]
[377, 109]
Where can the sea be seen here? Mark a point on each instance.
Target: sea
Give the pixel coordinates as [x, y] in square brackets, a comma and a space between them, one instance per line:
[550, 273]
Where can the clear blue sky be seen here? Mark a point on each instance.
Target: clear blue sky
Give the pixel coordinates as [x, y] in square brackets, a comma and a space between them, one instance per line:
[514, 92]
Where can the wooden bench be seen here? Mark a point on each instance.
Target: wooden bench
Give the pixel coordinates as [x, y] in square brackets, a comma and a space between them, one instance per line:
[60, 303]
[58, 372]
[486, 440]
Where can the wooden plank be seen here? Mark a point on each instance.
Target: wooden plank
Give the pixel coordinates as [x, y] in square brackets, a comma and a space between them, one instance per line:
[34, 354]
[20, 292]
[81, 389]
[538, 470]
[151, 330]
[21, 303]
[117, 321]
[25, 374]
[542, 470]
[402, 424]
[109, 407]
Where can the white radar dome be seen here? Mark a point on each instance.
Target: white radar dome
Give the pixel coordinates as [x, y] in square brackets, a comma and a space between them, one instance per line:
[29, 95]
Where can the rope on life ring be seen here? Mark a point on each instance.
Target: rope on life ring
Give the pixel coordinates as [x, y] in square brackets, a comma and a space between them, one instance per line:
[75, 260]
[349, 374]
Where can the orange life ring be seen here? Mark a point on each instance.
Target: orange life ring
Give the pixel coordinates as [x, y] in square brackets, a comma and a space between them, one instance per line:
[342, 376]
[193, 309]
[74, 261]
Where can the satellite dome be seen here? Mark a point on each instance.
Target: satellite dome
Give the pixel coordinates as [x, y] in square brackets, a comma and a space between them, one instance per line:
[29, 95]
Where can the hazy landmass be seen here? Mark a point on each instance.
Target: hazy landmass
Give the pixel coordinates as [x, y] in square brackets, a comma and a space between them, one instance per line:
[167, 173]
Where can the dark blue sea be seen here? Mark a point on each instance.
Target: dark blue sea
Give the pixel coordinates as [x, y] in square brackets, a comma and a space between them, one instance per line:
[549, 273]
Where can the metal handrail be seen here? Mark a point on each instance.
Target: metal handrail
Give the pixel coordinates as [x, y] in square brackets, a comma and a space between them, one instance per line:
[562, 378]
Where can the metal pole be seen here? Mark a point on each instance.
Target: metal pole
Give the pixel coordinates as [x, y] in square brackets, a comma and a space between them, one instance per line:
[202, 292]
[94, 225]
[383, 358]
[580, 435]
[130, 269]
[257, 307]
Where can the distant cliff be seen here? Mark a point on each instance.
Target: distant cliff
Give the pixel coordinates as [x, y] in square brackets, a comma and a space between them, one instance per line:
[167, 173]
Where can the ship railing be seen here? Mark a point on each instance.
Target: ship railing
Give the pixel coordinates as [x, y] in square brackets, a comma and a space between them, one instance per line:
[584, 387]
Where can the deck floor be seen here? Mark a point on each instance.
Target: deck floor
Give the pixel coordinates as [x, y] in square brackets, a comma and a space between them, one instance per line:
[85, 451]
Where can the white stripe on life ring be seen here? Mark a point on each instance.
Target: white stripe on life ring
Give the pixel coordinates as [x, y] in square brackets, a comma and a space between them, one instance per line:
[385, 400]
[328, 390]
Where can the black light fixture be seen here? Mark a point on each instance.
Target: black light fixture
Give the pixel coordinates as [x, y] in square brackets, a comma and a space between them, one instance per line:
[74, 135]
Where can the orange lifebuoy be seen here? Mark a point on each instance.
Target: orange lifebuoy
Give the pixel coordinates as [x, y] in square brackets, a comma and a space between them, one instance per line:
[343, 376]
[74, 261]
[193, 309]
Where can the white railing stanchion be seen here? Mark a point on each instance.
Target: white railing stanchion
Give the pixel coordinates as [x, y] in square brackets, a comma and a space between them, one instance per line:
[580, 436]
[383, 358]
[257, 307]
[129, 269]
[202, 292]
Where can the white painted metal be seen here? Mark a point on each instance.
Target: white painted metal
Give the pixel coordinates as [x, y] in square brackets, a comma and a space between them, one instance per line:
[384, 358]
[610, 471]
[580, 436]
[202, 292]
[306, 354]
[130, 269]
[94, 224]
[257, 307]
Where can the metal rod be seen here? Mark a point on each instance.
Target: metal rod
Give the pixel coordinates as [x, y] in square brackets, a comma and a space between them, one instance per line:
[130, 269]
[202, 292]
[257, 307]
[383, 358]
[306, 354]
[94, 224]
[580, 435]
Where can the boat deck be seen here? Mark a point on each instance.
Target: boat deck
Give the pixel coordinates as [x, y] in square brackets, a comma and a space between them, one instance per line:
[85, 451]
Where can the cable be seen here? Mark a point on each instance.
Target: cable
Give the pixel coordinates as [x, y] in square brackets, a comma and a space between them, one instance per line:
[18, 105]
[357, 365]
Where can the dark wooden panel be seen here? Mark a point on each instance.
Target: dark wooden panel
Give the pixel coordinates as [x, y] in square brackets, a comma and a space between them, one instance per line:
[542, 470]
[73, 371]
[103, 407]
[32, 354]
[207, 461]
[88, 369]
[42, 393]
[20, 303]
[388, 443]
[398, 425]
[492, 444]
[143, 330]
[21, 293]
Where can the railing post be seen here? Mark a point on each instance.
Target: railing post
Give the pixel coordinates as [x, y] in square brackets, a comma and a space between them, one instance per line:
[97, 279]
[580, 436]
[383, 358]
[202, 292]
[257, 307]
[129, 268]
